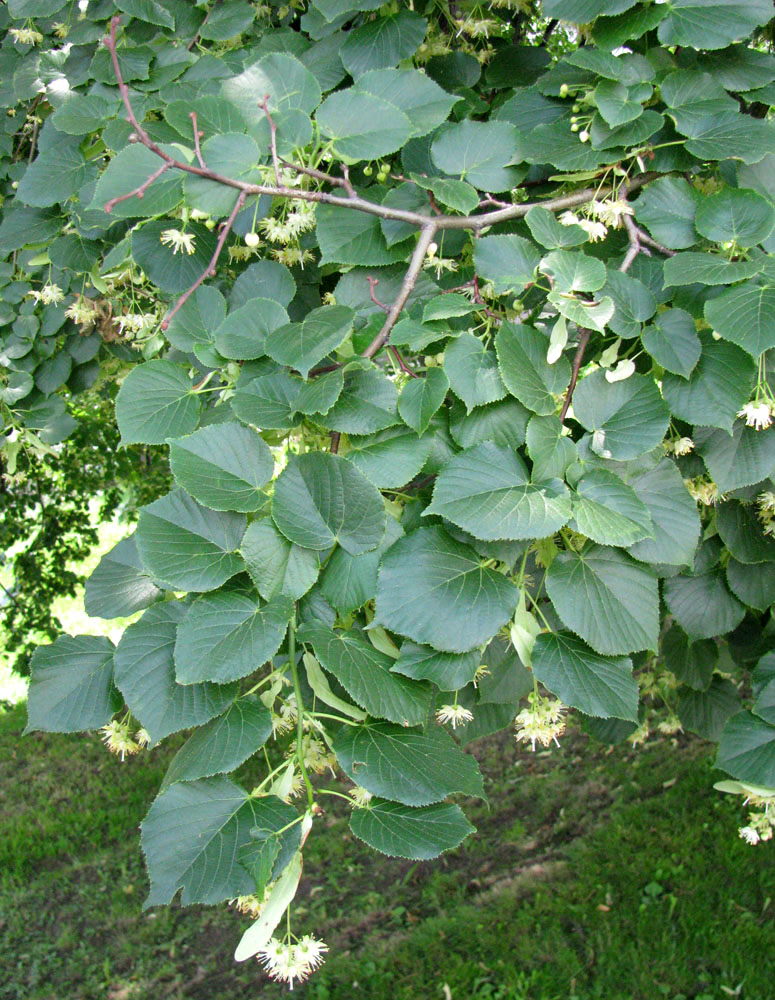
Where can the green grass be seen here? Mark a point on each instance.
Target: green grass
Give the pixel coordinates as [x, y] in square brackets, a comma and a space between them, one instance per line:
[616, 876]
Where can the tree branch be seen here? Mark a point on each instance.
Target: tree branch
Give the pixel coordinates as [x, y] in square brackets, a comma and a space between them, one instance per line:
[197, 137]
[476, 223]
[209, 271]
[427, 233]
[584, 336]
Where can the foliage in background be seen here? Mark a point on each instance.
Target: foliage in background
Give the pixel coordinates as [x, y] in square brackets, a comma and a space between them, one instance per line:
[48, 518]
[458, 323]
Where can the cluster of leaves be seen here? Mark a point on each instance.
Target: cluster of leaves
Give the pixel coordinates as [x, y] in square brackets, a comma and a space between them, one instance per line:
[399, 458]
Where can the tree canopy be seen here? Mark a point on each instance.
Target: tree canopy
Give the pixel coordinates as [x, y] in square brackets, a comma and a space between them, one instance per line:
[457, 321]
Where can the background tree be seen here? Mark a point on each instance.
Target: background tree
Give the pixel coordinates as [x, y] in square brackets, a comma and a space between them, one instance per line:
[457, 321]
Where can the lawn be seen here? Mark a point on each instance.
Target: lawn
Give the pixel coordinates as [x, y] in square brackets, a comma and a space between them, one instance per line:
[596, 873]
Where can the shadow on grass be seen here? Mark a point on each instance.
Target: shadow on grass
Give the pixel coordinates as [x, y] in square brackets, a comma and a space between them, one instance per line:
[595, 874]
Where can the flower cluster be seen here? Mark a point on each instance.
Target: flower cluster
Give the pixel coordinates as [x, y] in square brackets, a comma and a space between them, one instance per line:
[456, 715]
[542, 722]
[117, 738]
[316, 755]
[758, 414]
[287, 962]
[49, 295]
[766, 511]
[83, 312]
[760, 824]
[680, 446]
[26, 36]
[703, 491]
[178, 241]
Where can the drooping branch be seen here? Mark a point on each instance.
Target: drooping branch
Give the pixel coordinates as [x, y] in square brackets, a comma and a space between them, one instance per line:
[475, 223]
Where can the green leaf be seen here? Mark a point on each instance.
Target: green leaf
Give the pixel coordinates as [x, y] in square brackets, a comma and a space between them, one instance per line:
[584, 11]
[195, 322]
[715, 390]
[421, 398]
[319, 395]
[129, 168]
[510, 262]
[19, 9]
[72, 685]
[707, 269]
[223, 466]
[416, 768]
[265, 279]
[392, 457]
[693, 99]
[711, 24]
[382, 43]
[746, 316]
[633, 301]
[747, 750]
[155, 402]
[229, 635]
[403, 832]
[550, 452]
[667, 208]
[303, 345]
[282, 895]
[189, 547]
[487, 492]
[473, 372]
[740, 138]
[119, 586]
[458, 195]
[268, 401]
[573, 271]
[368, 403]
[692, 663]
[423, 101]
[674, 516]
[480, 153]
[446, 306]
[285, 81]
[147, 10]
[732, 214]
[171, 271]
[741, 459]
[550, 233]
[84, 113]
[191, 838]
[365, 674]
[145, 675]
[350, 581]
[618, 104]
[223, 744]
[592, 315]
[503, 422]
[753, 585]
[424, 582]
[706, 712]
[230, 155]
[743, 533]
[227, 21]
[672, 341]
[363, 127]
[277, 566]
[56, 175]
[596, 685]
[278, 822]
[214, 114]
[702, 605]
[347, 237]
[448, 671]
[321, 499]
[606, 598]
[608, 511]
[627, 418]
